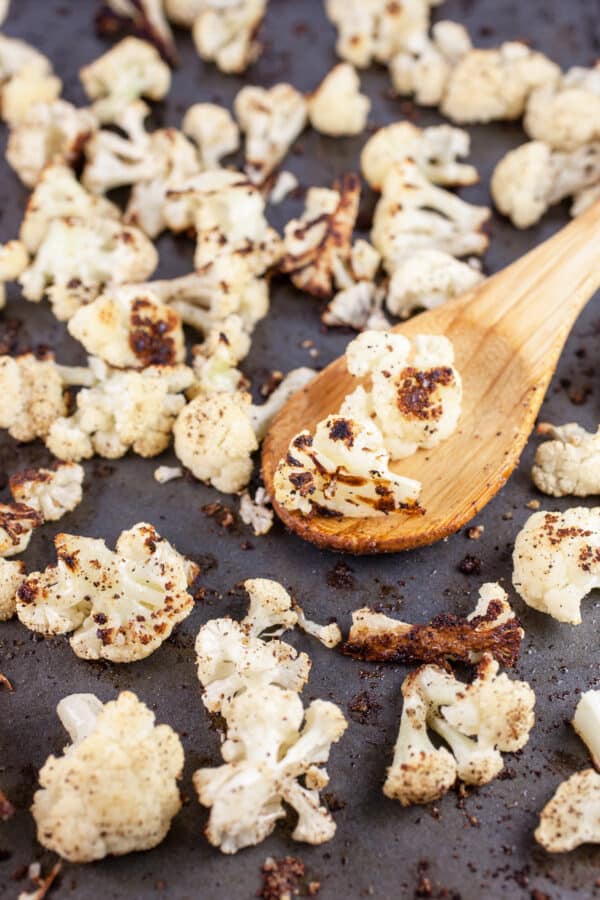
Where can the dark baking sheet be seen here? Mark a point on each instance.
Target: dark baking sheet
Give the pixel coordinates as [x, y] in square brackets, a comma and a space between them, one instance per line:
[477, 846]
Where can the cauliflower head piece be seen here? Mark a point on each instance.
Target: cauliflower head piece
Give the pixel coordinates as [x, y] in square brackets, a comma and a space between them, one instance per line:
[565, 113]
[569, 463]
[213, 130]
[12, 575]
[428, 278]
[114, 789]
[226, 33]
[572, 816]
[14, 259]
[34, 83]
[33, 395]
[556, 561]
[272, 742]
[337, 108]
[17, 523]
[422, 68]
[51, 492]
[271, 120]
[120, 605]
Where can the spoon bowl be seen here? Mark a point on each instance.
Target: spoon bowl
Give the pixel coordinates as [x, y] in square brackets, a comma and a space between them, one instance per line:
[507, 333]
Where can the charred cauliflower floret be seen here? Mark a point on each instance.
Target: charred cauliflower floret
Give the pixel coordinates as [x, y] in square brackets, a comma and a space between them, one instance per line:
[114, 789]
[337, 108]
[78, 257]
[52, 492]
[271, 120]
[414, 215]
[569, 463]
[571, 817]
[477, 721]
[422, 68]
[436, 151]
[120, 605]
[414, 394]
[565, 113]
[127, 72]
[17, 524]
[12, 576]
[556, 561]
[122, 410]
[428, 278]
[342, 470]
[272, 742]
[226, 33]
[49, 132]
[128, 327]
[488, 85]
[32, 392]
[143, 18]
[318, 244]
[214, 132]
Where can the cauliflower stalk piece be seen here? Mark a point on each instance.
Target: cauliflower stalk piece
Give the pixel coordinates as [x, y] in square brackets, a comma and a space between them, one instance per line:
[586, 723]
[329, 635]
[12, 575]
[114, 790]
[51, 492]
[571, 817]
[565, 113]
[120, 605]
[435, 150]
[423, 67]
[129, 327]
[337, 108]
[122, 410]
[214, 132]
[17, 524]
[144, 18]
[342, 470]
[268, 749]
[271, 120]
[130, 70]
[415, 392]
[556, 561]
[427, 279]
[257, 511]
[226, 33]
[79, 257]
[569, 463]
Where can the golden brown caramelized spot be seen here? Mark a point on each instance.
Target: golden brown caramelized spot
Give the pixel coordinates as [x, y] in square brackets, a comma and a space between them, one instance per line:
[416, 391]
[17, 518]
[152, 341]
[341, 430]
[28, 476]
[28, 591]
[302, 441]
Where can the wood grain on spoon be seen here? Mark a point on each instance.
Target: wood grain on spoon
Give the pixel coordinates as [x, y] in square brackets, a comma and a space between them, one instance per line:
[508, 334]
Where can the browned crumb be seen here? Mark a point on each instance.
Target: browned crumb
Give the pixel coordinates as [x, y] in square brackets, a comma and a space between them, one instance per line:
[4, 680]
[6, 808]
[470, 565]
[475, 532]
[282, 878]
[44, 884]
[533, 504]
[221, 513]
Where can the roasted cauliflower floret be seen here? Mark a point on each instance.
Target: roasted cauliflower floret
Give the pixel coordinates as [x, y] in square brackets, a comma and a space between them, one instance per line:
[336, 107]
[586, 723]
[569, 463]
[214, 132]
[226, 33]
[49, 132]
[33, 84]
[120, 605]
[571, 817]
[271, 120]
[268, 748]
[318, 244]
[257, 511]
[52, 492]
[128, 327]
[17, 523]
[215, 361]
[79, 257]
[428, 278]
[556, 561]
[129, 71]
[487, 85]
[422, 68]
[144, 18]
[14, 259]
[358, 306]
[565, 113]
[414, 215]
[342, 470]
[122, 411]
[114, 790]
[32, 392]
[12, 576]
[415, 392]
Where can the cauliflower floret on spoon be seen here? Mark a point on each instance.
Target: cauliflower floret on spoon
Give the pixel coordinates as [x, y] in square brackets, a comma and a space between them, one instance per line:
[565, 113]
[120, 605]
[52, 492]
[226, 32]
[556, 561]
[114, 789]
[272, 742]
[569, 463]
[214, 132]
[12, 576]
[271, 120]
[336, 107]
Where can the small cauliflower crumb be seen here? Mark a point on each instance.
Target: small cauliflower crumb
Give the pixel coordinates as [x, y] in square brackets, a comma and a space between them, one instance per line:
[271, 120]
[337, 108]
[570, 818]
[164, 474]
[226, 33]
[569, 463]
[52, 492]
[214, 132]
[257, 512]
[285, 183]
[12, 576]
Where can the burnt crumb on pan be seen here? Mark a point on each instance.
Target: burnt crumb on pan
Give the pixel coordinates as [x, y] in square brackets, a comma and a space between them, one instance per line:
[206, 561]
[6, 808]
[9, 336]
[470, 565]
[364, 709]
[221, 513]
[536, 894]
[475, 532]
[284, 879]
[274, 380]
[333, 802]
[341, 577]
[102, 470]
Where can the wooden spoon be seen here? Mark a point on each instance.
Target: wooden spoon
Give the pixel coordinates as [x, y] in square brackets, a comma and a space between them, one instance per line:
[508, 334]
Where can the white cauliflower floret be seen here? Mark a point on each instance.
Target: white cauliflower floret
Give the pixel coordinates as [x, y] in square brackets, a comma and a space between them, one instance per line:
[226, 32]
[14, 259]
[12, 576]
[114, 789]
[120, 605]
[565, 113]
[337, 107]
[15, 55]
[572, 816]
[32, 392]
[428, 278]
[32, 84]
[214, 132]
[271, 120]
[52, 492]
[329, 635]
[122, 411]
[17, 524]
[145, 18]
[257, 512]
[358, 306]
[569, 463]
[422, 68]
[415, 393]
[129, 71]
[488, 85]
[184, 12]
[414, 215]
[128, 327]
[586, 723]
[58, 195]
[318, 244]
[50, 132]
[79, 257]
[436, 151]
[530, 179]
[267, 750]
[556, 561]
[343, 470]
[215, 361]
